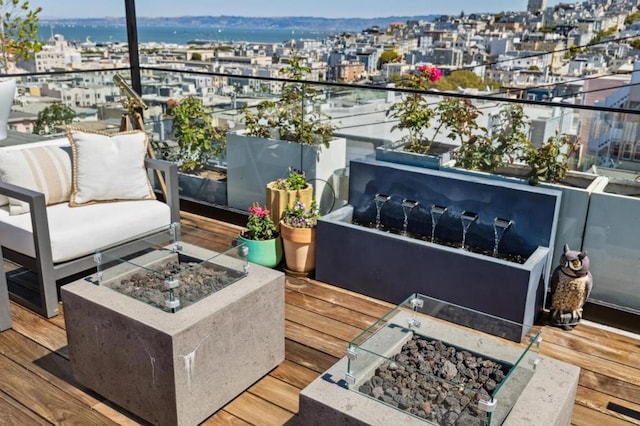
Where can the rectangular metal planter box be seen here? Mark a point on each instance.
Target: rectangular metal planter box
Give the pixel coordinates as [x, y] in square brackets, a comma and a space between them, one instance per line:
[612, 240]
[387, 266]
[576, 189]
[175, 368]
[439, 154]
[253, 162]
[200, 188]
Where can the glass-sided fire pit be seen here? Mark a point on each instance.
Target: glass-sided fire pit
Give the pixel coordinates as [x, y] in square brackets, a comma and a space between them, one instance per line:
[170, 271]
[175, 331]
[417, 359]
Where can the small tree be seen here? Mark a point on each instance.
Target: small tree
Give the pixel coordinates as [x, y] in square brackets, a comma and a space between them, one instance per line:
[18, 31]
[198, 138]
[57, 114]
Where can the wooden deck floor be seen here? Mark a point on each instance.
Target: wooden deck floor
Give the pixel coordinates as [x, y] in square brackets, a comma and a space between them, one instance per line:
[36, 385]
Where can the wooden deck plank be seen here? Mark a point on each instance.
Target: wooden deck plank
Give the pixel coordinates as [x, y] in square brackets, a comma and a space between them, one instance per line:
[598, 401]
[622, 353]
[13, 412]
[223, 418]
[38, 329]
[257, 411]
[44, 399]
[308, 357]
[606, 384]
[316, 339]
[277, 392]
[321, 323]
[329, 310]
[294, 374]
[584, 416]
[592, 363]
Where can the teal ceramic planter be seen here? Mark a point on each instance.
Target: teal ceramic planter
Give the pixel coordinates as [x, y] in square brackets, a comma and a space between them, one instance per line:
[266, 253]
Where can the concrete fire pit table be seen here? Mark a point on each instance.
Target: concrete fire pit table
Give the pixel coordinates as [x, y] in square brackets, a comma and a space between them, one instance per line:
[175, 367]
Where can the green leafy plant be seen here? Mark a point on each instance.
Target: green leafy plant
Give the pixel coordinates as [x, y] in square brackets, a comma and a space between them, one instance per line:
[296, 116]
[18, 31]
[550, 162]
[295, 181]
[260, 226]
[57, 114]
[199, 140]
[508, 138]
[297, 216]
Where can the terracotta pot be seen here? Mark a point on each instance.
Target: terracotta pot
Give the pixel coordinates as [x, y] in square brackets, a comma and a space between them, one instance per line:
[299, 248]
[266, 253]
[279, 199]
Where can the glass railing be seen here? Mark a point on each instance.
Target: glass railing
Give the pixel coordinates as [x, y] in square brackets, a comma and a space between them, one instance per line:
[427, 359]
[239, 168]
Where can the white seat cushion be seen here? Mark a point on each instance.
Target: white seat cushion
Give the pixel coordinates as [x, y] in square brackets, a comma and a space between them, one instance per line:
[79, 231]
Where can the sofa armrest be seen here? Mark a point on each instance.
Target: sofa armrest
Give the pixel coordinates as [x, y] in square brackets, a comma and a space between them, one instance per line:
[39, 220]
[169, 171]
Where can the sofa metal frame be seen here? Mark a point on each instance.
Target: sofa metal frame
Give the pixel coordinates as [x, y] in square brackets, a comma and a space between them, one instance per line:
[42, 264]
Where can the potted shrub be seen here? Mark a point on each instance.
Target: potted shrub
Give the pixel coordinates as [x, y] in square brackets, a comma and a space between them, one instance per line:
[277, 134]
[284, 192]
[298, 230]
[453, 118]
[262, 238]
[199, 141]
[19, 41]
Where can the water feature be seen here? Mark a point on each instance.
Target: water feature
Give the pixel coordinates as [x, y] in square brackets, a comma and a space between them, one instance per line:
[436, 213]
[407, 206]
[380, 199]
[500, 226]
[467, 219]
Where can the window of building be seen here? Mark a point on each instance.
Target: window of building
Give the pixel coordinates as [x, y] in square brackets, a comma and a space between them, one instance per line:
[636, 154]
[626, 151]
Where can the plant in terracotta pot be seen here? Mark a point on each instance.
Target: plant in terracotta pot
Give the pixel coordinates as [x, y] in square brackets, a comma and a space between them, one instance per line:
[284, 192]
[298, 230]
[262, 238]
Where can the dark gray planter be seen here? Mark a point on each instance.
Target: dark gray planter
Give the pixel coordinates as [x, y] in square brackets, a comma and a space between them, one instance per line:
[389, 266]
[576, 190]
[198, 188]
[439, 154]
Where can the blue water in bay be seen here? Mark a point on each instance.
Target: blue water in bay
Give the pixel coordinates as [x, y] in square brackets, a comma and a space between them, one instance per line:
[173, 34]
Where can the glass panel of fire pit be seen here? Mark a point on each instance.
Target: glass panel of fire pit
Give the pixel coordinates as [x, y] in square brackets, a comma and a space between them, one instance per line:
[173, 267]
[429, 359]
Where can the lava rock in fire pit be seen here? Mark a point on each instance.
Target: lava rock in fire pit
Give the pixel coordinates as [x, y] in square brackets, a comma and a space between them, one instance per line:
[465, 379]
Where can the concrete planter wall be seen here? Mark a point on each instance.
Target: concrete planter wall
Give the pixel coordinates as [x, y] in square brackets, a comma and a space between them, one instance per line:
[612, 239]
[439, 154]
[254, 162]
[576, 190]
[389, 266]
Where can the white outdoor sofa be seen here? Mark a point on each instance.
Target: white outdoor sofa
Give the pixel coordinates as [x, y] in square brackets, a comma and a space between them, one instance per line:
[59, 240]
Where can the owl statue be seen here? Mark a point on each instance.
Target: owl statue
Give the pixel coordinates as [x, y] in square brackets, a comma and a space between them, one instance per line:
[571, 283]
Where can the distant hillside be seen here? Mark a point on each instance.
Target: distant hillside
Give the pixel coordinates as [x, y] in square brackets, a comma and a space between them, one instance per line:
[285, 22]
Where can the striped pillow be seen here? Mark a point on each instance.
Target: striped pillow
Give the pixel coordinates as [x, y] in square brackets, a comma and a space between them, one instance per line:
[45, 169]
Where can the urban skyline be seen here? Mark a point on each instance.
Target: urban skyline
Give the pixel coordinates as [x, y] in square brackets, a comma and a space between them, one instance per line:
[256, 8]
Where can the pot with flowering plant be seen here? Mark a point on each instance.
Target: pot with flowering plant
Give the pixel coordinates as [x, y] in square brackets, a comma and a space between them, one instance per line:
[427, 122]
[283, 193]
[262, 238]
[298, 230]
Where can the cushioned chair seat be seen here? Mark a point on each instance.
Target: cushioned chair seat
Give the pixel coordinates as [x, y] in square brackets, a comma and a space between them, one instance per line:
[78, 231]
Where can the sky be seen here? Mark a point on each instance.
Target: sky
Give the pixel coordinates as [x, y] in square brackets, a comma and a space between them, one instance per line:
[322, 8]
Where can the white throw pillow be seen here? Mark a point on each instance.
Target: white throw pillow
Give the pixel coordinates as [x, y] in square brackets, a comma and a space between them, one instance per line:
[108, 167]
[45, 169]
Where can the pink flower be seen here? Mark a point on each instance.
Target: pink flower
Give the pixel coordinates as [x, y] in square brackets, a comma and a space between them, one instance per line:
[436, 74]
[423, 68]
